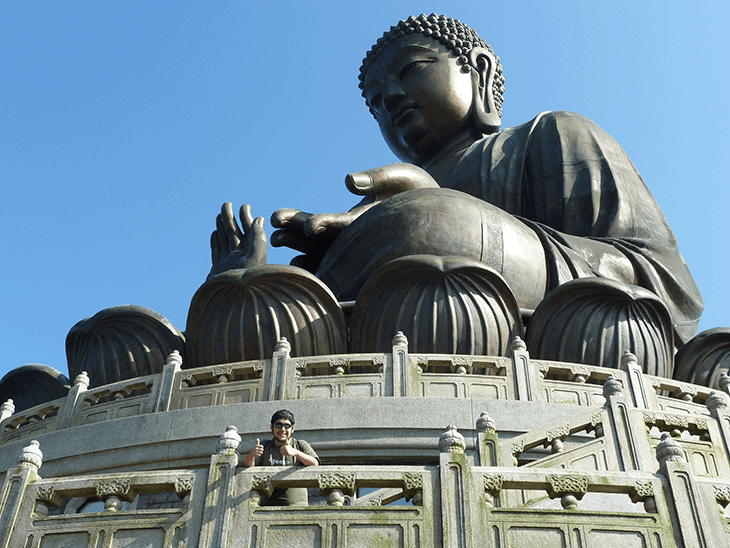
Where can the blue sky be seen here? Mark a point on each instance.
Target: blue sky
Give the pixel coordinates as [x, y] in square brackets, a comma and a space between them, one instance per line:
[124, 127]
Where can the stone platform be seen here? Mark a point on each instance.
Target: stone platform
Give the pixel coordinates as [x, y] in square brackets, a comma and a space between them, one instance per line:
[416, 449]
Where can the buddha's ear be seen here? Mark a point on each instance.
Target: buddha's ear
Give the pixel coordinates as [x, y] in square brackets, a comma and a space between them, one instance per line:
[483, 67]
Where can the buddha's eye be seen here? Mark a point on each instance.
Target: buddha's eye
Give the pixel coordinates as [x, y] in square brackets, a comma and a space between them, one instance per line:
[410, 66]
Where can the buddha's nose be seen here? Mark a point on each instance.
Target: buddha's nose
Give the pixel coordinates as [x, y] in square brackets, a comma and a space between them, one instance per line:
[392, 96]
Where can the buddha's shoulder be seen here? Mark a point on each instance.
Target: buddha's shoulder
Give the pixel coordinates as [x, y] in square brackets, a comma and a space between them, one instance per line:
[555, 120]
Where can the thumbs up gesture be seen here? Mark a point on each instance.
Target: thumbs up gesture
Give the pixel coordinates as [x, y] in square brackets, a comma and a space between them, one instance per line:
[258, 450]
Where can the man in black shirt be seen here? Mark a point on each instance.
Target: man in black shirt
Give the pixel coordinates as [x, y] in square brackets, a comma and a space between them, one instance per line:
[283, 450]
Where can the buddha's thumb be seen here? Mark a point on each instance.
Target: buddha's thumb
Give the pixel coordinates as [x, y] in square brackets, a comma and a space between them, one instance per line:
[389, 180]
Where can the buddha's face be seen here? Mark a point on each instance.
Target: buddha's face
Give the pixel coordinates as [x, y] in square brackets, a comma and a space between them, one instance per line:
[420, 96]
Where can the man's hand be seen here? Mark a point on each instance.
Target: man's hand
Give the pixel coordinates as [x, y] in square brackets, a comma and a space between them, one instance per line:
[256, 452]
[232, 248]
[313, 234]
[288, 451]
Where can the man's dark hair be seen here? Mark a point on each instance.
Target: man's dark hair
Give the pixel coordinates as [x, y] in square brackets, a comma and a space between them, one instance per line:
[283, 414]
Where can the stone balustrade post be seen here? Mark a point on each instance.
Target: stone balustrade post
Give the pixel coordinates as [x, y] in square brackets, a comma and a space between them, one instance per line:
[399, 373]
[6, 410]
[217, 513]
[489, 453]
[282, 373]
[74, 397]
[642, 393]
[629, 435]
[166, 383]
[14, 489]
[717, 403]
[696, 527]
[527, 377]
[725, 383]
[460, 524]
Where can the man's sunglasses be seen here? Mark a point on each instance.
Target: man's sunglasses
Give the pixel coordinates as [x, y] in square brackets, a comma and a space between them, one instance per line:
[283, 425]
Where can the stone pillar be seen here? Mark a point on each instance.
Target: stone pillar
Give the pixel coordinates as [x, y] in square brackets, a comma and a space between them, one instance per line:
[526, 375]
[460, 528]
[6, 410]
[13, 493]
[166, 383]
[489, 453]
[217, 525]
[643, 394]
[717, 403]
[724, 383]
[73, 398]
[400, 376]
[696, 527]
[628, 438]
[275, 386]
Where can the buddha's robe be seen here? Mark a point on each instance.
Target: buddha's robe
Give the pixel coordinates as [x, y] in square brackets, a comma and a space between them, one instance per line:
[565, 183]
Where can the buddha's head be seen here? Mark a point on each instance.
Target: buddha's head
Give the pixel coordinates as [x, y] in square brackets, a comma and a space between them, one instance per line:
[429, 81]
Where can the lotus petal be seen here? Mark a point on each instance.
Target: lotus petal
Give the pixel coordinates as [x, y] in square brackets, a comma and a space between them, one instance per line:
[703, 359]
[31, 385]
[445, 305]
[122, 342]
[241, 314]
[593, 321]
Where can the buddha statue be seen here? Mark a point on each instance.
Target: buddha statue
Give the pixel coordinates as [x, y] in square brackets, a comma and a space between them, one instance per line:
[548, 205]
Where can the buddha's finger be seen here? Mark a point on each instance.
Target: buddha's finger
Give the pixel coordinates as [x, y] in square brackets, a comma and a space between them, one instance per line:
[389, 180]
[246, 218]
[215, 248]
[221, 236]
[230, 226]
[332, 223]
[289, 218]
[257, 242]
[295, 240]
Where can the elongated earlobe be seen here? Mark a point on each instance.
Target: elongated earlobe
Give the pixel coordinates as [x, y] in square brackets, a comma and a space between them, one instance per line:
[487, 117]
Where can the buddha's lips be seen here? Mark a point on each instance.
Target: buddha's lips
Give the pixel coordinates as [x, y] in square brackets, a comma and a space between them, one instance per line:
[399, 117]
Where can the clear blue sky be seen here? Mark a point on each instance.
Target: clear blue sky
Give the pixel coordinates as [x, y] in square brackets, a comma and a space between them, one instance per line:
[125, 125]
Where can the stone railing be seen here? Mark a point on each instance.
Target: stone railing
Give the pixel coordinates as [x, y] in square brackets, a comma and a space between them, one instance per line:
[395, 374]
[461, 500]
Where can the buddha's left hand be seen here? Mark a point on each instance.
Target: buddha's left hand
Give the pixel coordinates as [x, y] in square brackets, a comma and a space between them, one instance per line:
[312, 234]
[232, 247]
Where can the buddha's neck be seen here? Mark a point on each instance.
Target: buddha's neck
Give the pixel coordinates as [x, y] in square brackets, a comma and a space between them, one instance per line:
[440, 165]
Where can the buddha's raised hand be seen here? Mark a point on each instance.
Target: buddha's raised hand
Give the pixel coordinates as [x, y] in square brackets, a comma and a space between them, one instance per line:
[312, 234]
[232, 247]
